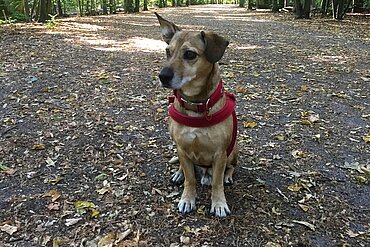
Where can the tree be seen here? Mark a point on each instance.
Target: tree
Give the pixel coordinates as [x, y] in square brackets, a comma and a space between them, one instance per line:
[241, 3]
[275, 6]
[44, 9]
[137, 6]
[302, 9]
[324, 7]
[59, 8]
[105, 7]
[340, 8]
[129, 6]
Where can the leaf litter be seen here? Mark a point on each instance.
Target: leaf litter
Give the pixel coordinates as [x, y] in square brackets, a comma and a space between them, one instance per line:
[85, 152]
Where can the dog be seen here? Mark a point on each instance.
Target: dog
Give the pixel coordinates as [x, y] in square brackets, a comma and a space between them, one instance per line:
[202, 119]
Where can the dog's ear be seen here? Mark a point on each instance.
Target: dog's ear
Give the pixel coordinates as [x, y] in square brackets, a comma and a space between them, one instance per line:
[168, 29]
[215, 46]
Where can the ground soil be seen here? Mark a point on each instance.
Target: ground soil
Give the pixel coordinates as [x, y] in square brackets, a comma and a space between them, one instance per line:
[85, 151]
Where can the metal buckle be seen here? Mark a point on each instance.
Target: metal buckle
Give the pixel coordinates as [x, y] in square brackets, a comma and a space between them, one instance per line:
[208, 100]
[189, 102]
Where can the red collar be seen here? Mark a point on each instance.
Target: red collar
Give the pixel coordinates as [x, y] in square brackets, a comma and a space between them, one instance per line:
[201, 106]
[208, 120]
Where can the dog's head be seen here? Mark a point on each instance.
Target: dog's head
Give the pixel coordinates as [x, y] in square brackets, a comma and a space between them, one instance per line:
[190, 56]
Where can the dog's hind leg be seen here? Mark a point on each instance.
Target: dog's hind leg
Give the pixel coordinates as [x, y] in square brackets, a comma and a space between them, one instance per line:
[228, 179]
[230, 167]
[206, 176]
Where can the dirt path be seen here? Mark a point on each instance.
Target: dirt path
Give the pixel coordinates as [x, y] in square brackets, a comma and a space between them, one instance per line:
[84, 147]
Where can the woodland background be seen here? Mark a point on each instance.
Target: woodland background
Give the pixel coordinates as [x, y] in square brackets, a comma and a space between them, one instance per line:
[85, 155]
[43, 10]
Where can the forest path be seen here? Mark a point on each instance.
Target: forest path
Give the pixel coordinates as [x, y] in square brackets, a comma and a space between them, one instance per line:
[84, 145]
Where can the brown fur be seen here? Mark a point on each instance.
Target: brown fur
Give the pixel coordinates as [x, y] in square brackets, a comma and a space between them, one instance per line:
[196, 79]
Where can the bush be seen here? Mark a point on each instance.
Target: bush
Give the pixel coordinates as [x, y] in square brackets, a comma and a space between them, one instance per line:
[18, 17]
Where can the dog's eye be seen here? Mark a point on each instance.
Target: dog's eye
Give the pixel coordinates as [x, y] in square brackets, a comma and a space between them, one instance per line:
[189, 55]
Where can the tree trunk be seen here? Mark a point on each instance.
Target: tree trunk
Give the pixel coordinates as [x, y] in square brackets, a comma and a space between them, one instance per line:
[275, 6]
[80, 8]
[249, 4]
[129, 7]
[33, 9]
[26, 9]
[302, 9]
[145, 7]
[3, 7]
[43, 11]
[137, 6]
[324, 7]
[112, 6]
[241, 3]
[59, 8]
[105, 7]
[340, 8]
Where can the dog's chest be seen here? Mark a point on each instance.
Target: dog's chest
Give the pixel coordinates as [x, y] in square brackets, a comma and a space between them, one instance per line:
[196, 143]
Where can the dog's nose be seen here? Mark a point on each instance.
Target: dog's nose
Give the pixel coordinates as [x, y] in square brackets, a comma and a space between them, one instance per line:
[166, 76]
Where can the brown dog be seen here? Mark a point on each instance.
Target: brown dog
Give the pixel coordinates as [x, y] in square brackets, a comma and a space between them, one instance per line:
[192, 71]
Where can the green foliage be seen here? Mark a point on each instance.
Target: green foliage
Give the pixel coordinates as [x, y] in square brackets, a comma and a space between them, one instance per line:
[19, 17]
[52, 23]
[9, 21]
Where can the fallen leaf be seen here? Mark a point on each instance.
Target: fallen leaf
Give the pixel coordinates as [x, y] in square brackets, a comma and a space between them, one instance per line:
[298, 154]
[50, 162]
[101, 176]
[38, 146]
[304, 207]
[201, 210]
[249, 124]
[58, 241]
[7, 170]
[304, 88]
[362, 179]
[94, 213]
[271, 244]
[314, 118]
[54, 206]
[160, 110]
[108, 240]
[103, 190]
[73, 221]
[304, 223]
[174, 160]
[366, 138]
[8, 229]
[55, 181]
[280, 138]
[185, 240]
[54, 194]
[83, 206]
[294, 187]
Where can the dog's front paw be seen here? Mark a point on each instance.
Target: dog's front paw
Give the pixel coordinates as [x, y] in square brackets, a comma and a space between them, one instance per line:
[220, 209]
[186, 205]
[178, 177]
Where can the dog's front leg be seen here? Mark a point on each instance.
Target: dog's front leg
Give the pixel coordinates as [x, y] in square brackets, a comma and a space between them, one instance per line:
[187, 201]
[219, 205]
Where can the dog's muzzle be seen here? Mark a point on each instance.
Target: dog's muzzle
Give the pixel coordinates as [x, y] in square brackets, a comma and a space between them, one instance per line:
[166, 75]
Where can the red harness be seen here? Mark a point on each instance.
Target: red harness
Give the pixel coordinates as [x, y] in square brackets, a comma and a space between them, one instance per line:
[204, 107]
